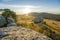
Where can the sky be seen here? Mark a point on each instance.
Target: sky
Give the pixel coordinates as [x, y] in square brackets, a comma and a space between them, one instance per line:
[25, 6]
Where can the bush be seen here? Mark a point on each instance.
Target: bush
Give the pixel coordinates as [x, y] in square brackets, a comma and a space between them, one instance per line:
[8, 13]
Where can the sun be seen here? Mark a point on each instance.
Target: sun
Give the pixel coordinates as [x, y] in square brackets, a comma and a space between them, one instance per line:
[26, 10]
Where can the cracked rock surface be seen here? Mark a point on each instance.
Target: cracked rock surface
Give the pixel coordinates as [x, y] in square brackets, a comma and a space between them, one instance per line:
[20, 33]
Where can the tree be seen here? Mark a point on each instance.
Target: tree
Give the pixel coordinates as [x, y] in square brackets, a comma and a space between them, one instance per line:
[8, 13]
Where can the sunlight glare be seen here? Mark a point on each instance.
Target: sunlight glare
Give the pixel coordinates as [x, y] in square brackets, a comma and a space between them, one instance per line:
[26, 10]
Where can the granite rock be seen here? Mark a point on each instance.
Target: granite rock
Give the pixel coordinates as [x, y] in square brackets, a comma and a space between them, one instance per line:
[11, 22]
[21, 33]
[2, 21]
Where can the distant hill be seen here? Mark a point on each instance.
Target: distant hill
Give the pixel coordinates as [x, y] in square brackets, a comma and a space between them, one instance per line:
[46, 15]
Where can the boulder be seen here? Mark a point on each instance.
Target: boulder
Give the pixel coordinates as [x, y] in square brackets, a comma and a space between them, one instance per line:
[38, 20]
[2, 21]
[11, 22]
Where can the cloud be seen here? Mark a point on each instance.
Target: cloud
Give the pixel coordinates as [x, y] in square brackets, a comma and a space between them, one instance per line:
[19, 8]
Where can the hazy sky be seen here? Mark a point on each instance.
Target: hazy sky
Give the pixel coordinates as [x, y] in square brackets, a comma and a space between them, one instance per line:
[52, 6]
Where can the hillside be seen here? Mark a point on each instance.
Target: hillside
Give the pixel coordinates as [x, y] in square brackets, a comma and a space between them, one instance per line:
[53, 24]
[51, 28]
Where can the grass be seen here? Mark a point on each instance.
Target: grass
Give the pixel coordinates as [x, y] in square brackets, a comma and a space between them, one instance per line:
[55, 25]
[50, 28]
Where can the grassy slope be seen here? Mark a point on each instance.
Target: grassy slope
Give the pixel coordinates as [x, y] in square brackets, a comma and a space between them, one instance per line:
[55, 25]
[51, 28]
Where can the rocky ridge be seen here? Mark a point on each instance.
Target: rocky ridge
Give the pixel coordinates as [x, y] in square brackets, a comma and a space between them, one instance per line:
[21, 33]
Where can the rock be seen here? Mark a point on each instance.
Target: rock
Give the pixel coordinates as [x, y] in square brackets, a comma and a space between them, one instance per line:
[21, 33]
[11, 22]
[38, 20]
[2, 21]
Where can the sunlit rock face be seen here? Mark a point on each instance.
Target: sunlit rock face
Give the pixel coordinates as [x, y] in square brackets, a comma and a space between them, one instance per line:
[11, 22]
[21, 33]
[2, 21]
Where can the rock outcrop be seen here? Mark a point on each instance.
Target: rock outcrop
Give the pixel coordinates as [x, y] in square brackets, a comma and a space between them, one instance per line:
[21, 33]
[11, 22]
[39, 20]
[2, 21]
